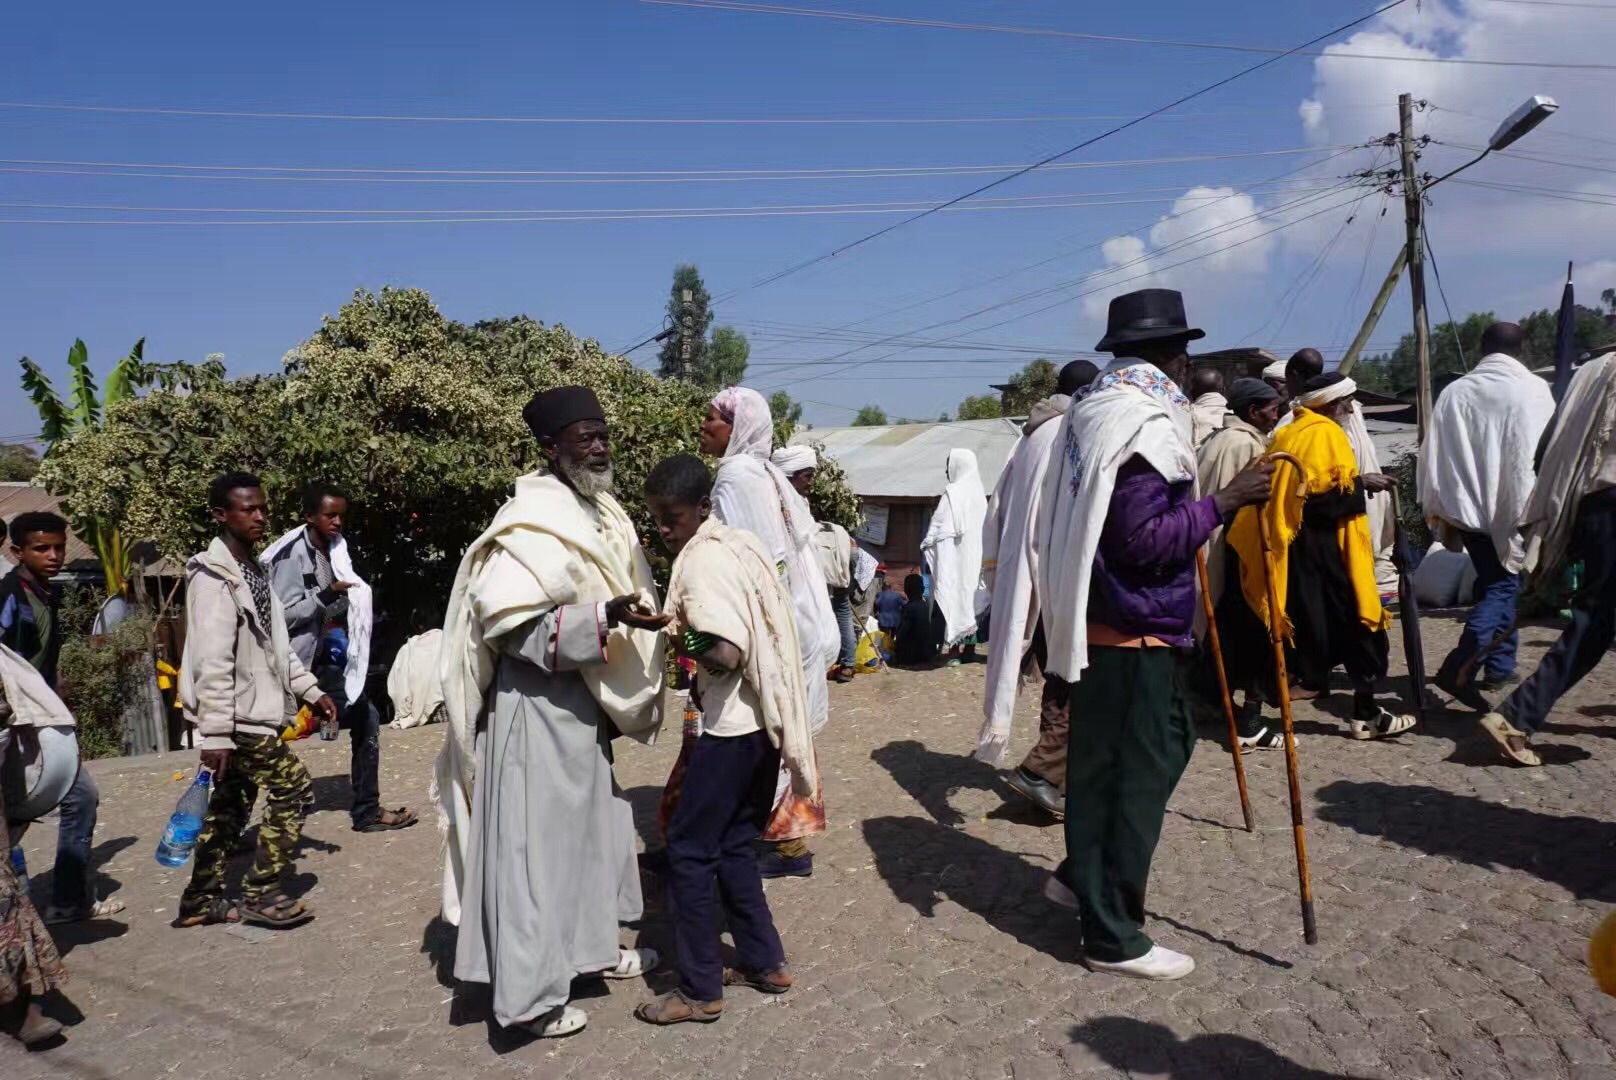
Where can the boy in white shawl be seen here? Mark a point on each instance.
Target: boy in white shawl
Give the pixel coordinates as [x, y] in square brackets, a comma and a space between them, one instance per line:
[732, 615]
[1475, 475]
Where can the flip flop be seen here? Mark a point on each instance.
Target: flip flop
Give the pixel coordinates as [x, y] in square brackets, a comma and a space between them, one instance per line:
[558, 1023]
[215, 911]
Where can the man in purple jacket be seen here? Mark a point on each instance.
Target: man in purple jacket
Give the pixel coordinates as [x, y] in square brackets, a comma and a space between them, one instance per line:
[1124, 508]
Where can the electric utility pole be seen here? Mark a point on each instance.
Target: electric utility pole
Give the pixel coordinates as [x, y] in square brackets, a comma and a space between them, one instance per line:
[1414, 214]
[687, 331]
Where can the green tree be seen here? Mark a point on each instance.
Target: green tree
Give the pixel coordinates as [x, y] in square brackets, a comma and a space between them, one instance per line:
[79, 415]
[418, 418]
[870, 416]
[18, 462]
[1543, 331]
[723, 359]
[686, 276]
[979, 407]
[787, 414]
[1028, 387]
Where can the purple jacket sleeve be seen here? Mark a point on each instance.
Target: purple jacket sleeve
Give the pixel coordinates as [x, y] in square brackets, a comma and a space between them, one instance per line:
[1153, 525]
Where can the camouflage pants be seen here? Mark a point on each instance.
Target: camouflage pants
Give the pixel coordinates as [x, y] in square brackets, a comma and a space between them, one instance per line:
[259, 762]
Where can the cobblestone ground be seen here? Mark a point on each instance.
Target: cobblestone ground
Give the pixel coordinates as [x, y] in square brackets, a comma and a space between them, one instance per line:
[1455, 898]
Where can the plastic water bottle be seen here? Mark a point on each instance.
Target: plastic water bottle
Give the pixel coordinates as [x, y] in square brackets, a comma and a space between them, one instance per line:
[174, 849]
[20, 865]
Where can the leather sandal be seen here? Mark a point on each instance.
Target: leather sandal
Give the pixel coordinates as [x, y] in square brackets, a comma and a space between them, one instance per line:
[777, 981]
[675, 1008]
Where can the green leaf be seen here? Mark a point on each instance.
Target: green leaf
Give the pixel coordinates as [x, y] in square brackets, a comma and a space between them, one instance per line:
[54, 420]
[120, 379]
[81, 383]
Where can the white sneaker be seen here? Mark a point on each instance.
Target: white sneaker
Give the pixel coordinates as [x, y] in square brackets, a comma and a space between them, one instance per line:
[558, 1023]
[1056, 892]
[1159, 964]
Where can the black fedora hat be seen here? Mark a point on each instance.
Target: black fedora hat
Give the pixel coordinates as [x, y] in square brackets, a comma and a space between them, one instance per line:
[1145, 315]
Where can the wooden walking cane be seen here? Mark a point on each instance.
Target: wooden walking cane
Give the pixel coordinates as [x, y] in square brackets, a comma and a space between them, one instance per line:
[1276, 636]
[1223, 685]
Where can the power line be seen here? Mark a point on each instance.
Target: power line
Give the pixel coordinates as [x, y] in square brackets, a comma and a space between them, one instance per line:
[657, 121]
[1100, 288]
[1109, 39]
[1453, 327]
[1089, 276]
[1055, 157]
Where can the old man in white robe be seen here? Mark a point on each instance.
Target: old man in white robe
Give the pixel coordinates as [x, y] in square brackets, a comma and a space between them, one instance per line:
[551, 648]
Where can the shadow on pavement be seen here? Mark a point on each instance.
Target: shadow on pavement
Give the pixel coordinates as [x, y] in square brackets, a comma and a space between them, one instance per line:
[1573, 852]
[69, 936]
[1239, 950]
[923, 863]
[1138, 1047]
[930, 777]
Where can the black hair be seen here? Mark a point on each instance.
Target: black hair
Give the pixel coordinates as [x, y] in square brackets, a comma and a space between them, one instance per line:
[1075, 376]
[35, 521]
[219, 491]
[1305, 364]
[1205, 380]
[315, 495]
[684, 478]
[1503, 337]
[914, 587]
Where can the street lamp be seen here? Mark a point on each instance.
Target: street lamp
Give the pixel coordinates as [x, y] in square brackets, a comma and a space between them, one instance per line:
[1532, 112]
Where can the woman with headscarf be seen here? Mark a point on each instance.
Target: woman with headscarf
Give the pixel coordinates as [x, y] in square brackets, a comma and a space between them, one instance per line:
[953, 548]
[750, 492]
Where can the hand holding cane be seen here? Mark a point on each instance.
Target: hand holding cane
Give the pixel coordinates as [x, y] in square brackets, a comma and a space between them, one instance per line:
[1276, 636]
[1223, 685]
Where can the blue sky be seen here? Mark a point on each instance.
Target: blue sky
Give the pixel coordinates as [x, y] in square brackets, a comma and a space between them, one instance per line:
[251, 292]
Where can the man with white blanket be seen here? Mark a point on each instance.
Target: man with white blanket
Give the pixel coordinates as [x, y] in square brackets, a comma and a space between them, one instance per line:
[328, 610]
[1118, 531]
[550, 649]
[952, 547]
[1475, 476]
[1010, 567]
[1571, 516]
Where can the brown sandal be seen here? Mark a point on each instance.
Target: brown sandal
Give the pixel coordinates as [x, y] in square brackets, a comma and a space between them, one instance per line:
[276, 911]
[777, 981]
[675, 1008]
[218, 910]
[388, 820]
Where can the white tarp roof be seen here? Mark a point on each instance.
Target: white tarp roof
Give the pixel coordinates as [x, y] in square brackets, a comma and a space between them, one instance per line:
[908, 460]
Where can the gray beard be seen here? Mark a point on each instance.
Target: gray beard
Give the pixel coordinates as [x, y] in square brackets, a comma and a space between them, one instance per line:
[586, 481]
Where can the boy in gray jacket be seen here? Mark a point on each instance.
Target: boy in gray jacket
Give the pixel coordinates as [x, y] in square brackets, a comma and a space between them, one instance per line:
[239, 684]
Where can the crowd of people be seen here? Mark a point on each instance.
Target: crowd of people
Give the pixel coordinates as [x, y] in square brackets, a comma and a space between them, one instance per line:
[555, 643]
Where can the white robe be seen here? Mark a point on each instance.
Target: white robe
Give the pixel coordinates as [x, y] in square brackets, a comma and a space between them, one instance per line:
[1207, 415]
[953, 546]
[1578, 461]
[1475, 471]
[1010, 562]
[751, 493]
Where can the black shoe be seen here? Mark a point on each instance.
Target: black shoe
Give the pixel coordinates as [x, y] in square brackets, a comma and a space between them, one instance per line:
[1503, 682]
[1468, 695]
[1038, 791]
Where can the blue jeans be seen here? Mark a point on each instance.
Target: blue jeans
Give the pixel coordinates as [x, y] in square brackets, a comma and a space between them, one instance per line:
[75, 829]
[841, 602]
[1492, 614]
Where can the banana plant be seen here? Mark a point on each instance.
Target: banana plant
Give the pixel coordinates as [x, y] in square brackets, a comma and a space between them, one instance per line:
[83, 410]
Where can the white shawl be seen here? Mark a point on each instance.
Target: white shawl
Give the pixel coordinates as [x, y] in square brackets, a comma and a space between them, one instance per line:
[33, 703]
[1010, 562]
[953, 545]
[546, 547]
[751, 493]
[413, 683]
[1475, 468]
[1572, 464]
[724, 583]
[1135, 411]
[361, 606]
[1207, 414]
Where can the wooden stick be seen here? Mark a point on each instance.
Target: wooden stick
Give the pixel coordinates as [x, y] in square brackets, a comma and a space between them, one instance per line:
[1223, 685]
[1276, 636]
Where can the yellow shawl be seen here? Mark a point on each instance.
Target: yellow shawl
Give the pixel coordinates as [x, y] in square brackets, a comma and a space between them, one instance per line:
[1322, 447]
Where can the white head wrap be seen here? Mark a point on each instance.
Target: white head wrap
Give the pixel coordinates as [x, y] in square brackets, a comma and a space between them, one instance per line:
[1343, 387]
[794, 459]
[1276, 370]
[752, 426]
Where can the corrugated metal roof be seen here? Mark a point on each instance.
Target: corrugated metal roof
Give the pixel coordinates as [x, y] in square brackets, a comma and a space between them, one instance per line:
[23, 498]
[908, 460]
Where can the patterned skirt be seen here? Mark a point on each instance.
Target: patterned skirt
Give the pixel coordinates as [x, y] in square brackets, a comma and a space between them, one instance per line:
[29, 963]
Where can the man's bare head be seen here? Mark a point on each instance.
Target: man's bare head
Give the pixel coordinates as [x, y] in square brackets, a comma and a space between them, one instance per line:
[1303, 365]
[1205, 380]
[1503, 337]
